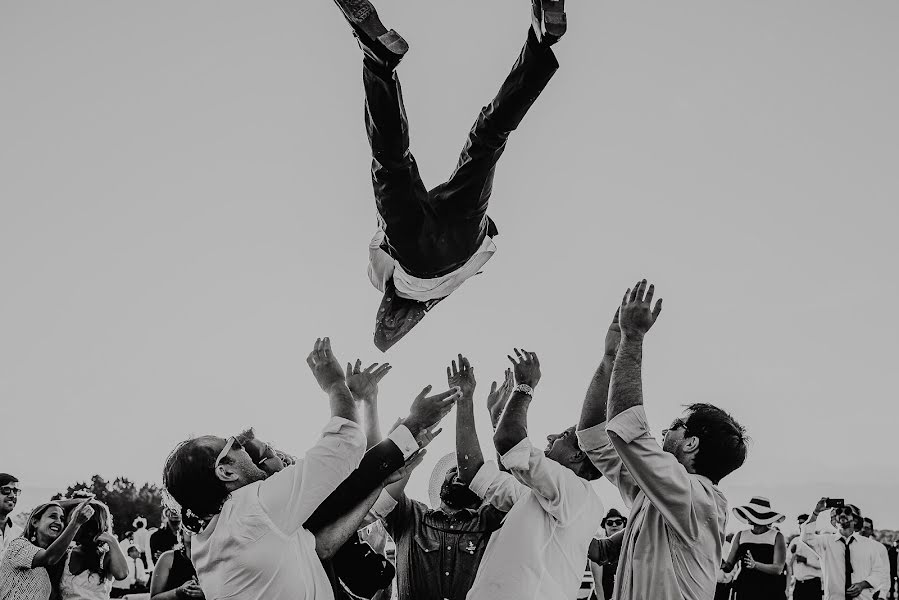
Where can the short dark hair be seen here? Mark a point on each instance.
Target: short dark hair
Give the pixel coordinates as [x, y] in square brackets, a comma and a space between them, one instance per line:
[803, 517]
[868, 520]
[6, 479]
[189, 477]
[722, 441]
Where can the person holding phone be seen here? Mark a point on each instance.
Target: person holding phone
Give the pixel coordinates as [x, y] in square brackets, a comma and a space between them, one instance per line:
[43, 543]
[853, 567]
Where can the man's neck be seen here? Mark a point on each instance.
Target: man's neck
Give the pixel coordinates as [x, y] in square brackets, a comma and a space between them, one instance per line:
[846, 535]
[4, 516]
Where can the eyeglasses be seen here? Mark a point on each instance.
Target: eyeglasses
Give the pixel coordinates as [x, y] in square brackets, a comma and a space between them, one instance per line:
[844, 510]
[8, 490]
[676, 424]
[614, 522]
[231, 442]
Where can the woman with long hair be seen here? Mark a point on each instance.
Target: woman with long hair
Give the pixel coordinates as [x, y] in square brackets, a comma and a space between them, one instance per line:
[43, 543]
[174, 577]
[94, 560]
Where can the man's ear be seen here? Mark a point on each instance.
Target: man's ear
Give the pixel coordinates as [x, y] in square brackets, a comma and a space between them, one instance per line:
[578, 456]
[690, 444]
[226, 472]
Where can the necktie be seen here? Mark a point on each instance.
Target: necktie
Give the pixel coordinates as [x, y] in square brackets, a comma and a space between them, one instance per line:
[847, 562]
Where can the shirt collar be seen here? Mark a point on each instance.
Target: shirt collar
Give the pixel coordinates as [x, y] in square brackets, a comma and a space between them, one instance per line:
[7, 524]
[855, 536]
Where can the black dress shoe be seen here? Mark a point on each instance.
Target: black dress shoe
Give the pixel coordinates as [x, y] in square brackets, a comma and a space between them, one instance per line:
[385, 46]
[549, 21]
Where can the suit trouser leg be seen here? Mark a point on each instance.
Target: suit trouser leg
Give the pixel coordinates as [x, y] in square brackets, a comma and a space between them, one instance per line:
[398, 188]
[466, 194]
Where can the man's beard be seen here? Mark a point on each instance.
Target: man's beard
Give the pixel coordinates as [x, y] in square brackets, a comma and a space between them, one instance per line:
[458, 496]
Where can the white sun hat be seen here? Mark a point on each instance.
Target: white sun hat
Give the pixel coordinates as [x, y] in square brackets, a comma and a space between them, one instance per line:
[438, 476]
[758, 512]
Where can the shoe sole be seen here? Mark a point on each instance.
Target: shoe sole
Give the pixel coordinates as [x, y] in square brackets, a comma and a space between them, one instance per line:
[363, 17]
[555, 22]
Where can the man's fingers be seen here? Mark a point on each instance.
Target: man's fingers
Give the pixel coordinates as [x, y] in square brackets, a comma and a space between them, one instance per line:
[449, 375]
[649, 293]
[447, 396]
[633, 296]
[465, 363]
[626, 295]
[493, 388]
[423, 393]
[310, 362]
[370, 368]
[657, 310]
[381, 371]
[349, 370]
[455, 370]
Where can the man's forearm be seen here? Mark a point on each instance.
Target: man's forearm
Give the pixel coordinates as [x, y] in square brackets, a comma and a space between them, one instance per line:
[342, 403]
[332, 536]
[593, 412]
[468, 448]
[626, 386]
[373, 435]
[513, 426]
[376, 465]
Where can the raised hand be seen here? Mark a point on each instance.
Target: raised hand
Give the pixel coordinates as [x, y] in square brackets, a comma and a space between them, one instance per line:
[84, 512]
[635, 315]
[325, 367]
[526, 368]
[426, 411]
[364, 383]
[613, 336]
[498, 397]
[748, 561]
[189, 589]
[411, 463]
[462, 377]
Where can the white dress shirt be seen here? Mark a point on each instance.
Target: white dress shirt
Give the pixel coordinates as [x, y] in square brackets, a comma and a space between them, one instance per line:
[674, 536]
[382, 266]
[864, 555]
[811, 568]
[8, 532]
[541, 549]
[256, 548]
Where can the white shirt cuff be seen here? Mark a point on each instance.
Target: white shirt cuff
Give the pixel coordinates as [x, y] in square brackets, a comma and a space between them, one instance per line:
[484, 478]
[629, 425]
[404, 440]
[519, 457]
[383, 506]
[593, 438]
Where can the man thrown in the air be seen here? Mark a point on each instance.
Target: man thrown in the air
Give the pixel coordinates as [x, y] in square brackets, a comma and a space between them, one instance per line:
[429, 242]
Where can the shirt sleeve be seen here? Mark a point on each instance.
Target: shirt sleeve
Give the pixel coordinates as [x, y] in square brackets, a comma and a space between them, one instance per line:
[290, 496]
[658, 474]
[500, 489]
[595, 443]
[561, 493]
[813, 540]
[20, 553]
[380, 264]
[382, 507]
[880, 571]
[404, 440]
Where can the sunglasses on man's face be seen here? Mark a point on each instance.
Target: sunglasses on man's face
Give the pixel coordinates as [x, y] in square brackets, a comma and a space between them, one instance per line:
[675, 425]
[231, 442]
[7, 490]
[614, 522]
[845, 510]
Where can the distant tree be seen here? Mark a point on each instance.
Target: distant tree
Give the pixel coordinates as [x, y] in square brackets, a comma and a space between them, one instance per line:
[125, 500]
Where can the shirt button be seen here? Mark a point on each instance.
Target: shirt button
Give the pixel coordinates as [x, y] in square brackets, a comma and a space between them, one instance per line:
[447, 573]
[449, 547]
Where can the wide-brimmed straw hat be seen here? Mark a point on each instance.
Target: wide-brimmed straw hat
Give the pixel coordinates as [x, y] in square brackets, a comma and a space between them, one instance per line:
[758, 512]
[438, 476]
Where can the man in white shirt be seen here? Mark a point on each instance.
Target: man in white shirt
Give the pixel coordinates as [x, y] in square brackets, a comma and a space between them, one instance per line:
[429, 242]
[252, 541]
[673, 541]
[9, 496]
[867, 531]
[540, 551]
[853, 566]
[806, 568]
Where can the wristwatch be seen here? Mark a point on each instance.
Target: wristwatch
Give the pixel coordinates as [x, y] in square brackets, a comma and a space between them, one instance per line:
[524, 389]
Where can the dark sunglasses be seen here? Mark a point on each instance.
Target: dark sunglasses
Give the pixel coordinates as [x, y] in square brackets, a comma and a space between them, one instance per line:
[844, 510]
[676, 424]
[614, 522]
[7, 490]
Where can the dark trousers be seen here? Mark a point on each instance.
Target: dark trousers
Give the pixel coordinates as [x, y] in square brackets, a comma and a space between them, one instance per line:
[431, 233]
[810, 589]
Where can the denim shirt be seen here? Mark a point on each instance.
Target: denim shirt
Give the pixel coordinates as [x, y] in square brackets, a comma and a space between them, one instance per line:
[437, 555]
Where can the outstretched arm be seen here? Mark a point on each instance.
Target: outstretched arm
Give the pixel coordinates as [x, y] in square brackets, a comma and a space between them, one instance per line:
[593, 411]
[363, 384]
[513, 425]
[332, 380]
[497, 400]
[626, 387]
[468, 448]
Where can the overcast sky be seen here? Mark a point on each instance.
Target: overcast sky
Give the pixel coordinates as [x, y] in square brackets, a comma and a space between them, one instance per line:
[186, 206]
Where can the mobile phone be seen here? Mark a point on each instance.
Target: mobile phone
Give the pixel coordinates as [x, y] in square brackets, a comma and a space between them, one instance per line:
[834, 503]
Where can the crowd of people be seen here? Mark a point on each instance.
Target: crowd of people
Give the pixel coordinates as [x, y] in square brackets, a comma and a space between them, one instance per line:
[247, 521]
